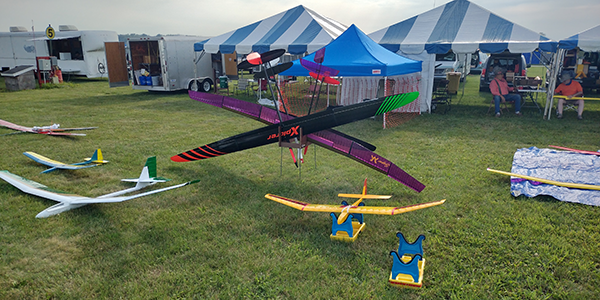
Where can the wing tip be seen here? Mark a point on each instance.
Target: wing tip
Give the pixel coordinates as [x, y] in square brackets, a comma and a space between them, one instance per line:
[178, 158]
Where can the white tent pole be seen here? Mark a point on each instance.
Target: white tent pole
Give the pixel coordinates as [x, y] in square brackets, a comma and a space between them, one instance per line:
[557, 59]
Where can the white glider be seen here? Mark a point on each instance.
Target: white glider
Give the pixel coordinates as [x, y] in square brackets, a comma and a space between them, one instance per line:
[71, 201]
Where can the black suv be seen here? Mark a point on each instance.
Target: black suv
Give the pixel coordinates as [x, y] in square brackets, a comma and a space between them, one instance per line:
[509, 62]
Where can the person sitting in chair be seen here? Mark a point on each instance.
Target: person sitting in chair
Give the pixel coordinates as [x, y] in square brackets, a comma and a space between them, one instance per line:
[500, 89]
[569, 88]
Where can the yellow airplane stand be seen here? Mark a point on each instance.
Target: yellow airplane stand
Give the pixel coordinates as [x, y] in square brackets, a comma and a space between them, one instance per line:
[407, 270]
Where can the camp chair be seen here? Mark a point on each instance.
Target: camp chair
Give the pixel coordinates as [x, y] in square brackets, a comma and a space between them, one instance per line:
[441, 95]
[503, 106]
[312, 89]
[568, 106]
[262, 86]
[242, 85]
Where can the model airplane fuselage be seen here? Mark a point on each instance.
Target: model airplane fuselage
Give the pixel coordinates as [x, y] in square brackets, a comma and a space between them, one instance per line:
[94, 161]
[53, 129]
[291, 128]
[71, 201]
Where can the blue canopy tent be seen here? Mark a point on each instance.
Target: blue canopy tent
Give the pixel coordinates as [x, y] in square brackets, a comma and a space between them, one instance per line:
[298, 30]
[362, 63]
[353, 53]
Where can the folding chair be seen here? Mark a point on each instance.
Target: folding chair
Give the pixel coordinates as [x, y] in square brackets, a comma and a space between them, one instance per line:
[242, 85]
[441, 95]
[503, 106]
[262, 86]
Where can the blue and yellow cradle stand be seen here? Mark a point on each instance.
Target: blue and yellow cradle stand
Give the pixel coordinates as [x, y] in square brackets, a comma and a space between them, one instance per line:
[349, 230]
[408, 265]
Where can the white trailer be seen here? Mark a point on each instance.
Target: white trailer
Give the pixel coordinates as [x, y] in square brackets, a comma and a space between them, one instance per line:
[171, 62]
[78, 52]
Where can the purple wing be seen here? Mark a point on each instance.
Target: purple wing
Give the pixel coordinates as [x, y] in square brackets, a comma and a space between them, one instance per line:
[320, 55]
[330, 139]
[317, 68]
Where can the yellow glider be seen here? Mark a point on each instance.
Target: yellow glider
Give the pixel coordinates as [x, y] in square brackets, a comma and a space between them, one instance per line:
[575, 98]
[582, 186]
[345, 210]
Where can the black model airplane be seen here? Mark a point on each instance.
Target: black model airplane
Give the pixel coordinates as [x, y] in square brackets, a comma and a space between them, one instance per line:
[314, 128]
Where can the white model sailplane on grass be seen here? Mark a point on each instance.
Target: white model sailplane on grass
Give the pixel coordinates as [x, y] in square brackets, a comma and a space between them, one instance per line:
[69, 201]
[89, 162]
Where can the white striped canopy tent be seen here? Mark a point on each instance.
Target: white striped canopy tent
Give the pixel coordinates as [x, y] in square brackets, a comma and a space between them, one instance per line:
[460, 26]
[298, 30]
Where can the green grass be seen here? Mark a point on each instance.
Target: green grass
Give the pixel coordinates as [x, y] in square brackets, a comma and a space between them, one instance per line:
[221, 239]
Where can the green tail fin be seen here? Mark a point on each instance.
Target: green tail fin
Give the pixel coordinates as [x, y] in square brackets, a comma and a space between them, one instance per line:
[396, 101]
[151, 164]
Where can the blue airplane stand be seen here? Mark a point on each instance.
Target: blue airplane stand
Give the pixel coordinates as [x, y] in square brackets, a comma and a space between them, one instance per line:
[349, 230]
[408, 263]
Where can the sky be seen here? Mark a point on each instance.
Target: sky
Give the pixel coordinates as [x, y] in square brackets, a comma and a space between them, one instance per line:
[556, 19]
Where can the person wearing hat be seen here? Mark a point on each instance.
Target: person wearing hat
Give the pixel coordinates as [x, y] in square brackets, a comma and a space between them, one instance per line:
[569, 88]
[500, 89]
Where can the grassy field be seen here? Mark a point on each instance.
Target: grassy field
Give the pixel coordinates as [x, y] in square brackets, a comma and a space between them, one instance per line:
[221, 239]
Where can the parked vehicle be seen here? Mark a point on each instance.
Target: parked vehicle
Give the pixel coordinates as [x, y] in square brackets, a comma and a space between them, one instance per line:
[451, 62]
[509, 62]
[77, 52]
[478, 60]
[585, 66]
[168, 63]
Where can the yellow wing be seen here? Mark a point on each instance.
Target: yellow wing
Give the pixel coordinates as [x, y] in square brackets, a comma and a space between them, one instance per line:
[377, 210]
[548, 181]
[365, 196]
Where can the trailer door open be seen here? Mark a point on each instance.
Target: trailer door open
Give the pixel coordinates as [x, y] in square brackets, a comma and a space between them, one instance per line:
[116, 64]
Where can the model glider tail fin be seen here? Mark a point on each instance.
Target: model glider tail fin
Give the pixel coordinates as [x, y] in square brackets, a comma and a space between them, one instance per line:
[364, 192]
[148, 175]
[96, 158]
[151, 164]
[344, 214]
[144, 179]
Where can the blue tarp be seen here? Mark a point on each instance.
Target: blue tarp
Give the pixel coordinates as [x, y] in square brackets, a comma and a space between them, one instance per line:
[353, 53]
[556, 165]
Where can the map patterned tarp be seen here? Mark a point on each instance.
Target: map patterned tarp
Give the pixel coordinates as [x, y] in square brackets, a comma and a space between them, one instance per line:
[556, 165]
